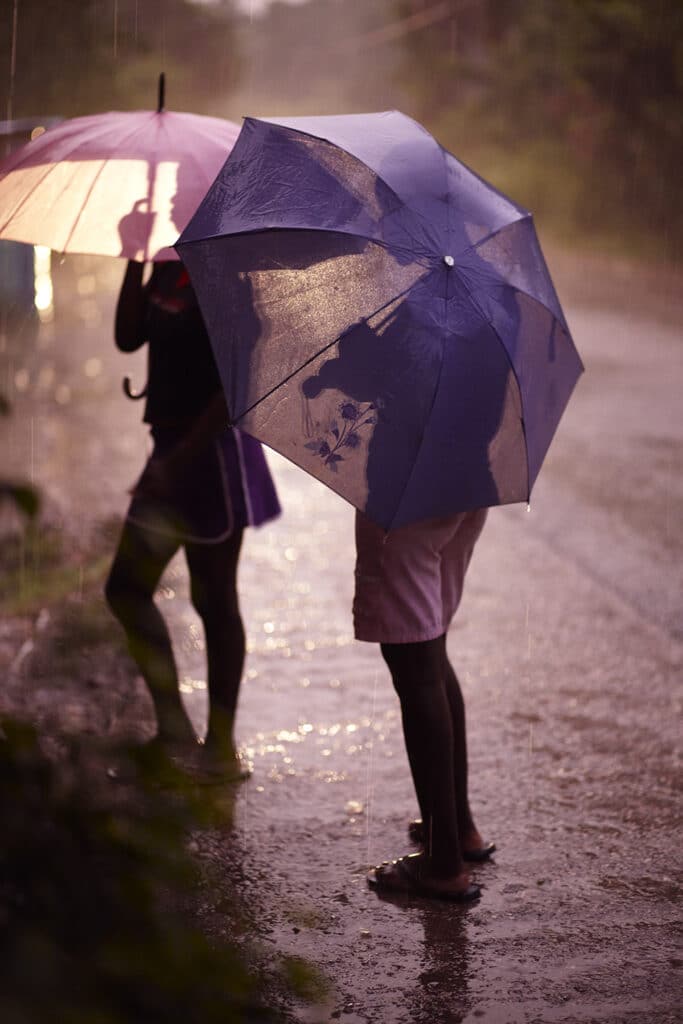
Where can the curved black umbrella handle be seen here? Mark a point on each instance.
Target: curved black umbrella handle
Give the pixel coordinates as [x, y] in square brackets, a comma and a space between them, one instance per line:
[128, 390]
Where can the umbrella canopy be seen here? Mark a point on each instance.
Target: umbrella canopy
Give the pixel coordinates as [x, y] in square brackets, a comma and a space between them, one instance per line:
[380, 315]
[114, 184]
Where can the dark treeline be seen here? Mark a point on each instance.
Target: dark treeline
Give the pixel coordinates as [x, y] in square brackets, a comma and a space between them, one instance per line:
[571, 106]
[73, 57]
[577, 100]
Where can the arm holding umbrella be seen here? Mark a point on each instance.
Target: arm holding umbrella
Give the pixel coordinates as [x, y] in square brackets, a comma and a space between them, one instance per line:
[129, 325]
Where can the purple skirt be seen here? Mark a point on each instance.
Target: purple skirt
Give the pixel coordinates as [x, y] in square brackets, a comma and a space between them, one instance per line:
[228, 486]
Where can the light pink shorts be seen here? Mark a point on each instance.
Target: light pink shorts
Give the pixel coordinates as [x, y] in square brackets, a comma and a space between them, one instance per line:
[409, 581]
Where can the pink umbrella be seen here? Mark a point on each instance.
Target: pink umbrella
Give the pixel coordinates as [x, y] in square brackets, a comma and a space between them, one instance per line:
[114, 184]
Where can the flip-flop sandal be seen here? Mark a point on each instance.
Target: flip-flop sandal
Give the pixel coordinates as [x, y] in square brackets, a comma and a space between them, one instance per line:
[403, 876]
[478, 856]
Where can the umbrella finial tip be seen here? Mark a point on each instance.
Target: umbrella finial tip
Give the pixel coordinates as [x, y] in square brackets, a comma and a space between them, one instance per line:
[449, 261]
[162, 92]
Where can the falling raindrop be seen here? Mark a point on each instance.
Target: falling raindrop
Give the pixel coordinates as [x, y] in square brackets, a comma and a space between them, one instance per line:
[370, 772]
[13, 59]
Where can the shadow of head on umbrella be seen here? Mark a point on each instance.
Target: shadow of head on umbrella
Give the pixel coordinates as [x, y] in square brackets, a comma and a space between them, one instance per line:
[153, 210]
[356, 369]
[410, 407]
[136, 227]
[366, 389]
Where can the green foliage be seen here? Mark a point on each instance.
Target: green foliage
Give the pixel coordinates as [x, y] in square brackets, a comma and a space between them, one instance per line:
[305, 980]
[20, 494]
[82, 56]
[37, 566]
[94, 891]
[586, 93]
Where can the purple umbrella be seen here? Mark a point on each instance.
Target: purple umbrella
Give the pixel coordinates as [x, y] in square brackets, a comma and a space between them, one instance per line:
[380, 315]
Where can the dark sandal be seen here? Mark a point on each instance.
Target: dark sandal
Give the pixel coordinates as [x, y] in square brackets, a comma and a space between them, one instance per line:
[483, 853]
[404, 876]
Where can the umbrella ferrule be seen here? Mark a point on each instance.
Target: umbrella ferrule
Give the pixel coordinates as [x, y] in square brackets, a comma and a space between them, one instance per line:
[449, 261]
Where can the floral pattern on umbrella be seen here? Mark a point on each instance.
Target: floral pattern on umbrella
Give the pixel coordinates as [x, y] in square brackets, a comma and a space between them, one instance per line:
[345, 436]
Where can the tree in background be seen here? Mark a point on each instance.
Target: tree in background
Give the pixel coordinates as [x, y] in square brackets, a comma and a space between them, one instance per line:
[83, 56]
[571, 106]
[572, 99]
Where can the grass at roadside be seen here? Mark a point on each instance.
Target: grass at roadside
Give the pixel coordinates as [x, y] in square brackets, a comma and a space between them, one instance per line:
[97, 915]
[101, 916]
[40, 566]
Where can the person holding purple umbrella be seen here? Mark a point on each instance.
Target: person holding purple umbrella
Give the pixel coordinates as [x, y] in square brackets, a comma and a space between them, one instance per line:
[409, 583]
[414, 357]
[202, 485]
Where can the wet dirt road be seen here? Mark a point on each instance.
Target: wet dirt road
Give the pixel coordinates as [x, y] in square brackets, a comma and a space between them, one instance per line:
[568, 645]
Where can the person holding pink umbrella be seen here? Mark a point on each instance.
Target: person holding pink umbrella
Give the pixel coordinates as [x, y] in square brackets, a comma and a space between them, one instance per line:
[124, 184]
[202, 485]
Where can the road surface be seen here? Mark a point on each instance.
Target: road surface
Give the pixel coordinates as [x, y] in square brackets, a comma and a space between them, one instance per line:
[568, 645]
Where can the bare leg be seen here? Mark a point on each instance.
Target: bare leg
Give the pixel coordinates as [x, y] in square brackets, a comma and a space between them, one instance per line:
[417, 671]
[213, 576]
[140, 560]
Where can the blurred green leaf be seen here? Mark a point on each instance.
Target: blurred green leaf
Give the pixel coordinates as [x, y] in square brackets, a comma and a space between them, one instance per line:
[25, 497]
[96, 883]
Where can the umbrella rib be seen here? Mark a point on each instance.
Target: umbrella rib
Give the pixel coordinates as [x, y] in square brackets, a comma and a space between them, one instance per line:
[498, 231]
[78, 216]
[484, 182]
[22, 202]
[522, 291]
[94, 181]
[325, 348]
[354, 157]
[49, 168]
[512, 368]
[393, 249]
[424, 431]
[436, 390]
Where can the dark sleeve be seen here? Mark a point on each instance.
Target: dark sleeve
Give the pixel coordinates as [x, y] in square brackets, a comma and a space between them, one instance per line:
[131, 310]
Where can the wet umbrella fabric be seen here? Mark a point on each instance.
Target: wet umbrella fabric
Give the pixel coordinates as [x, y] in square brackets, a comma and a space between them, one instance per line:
[380, 315]
[113, 184]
